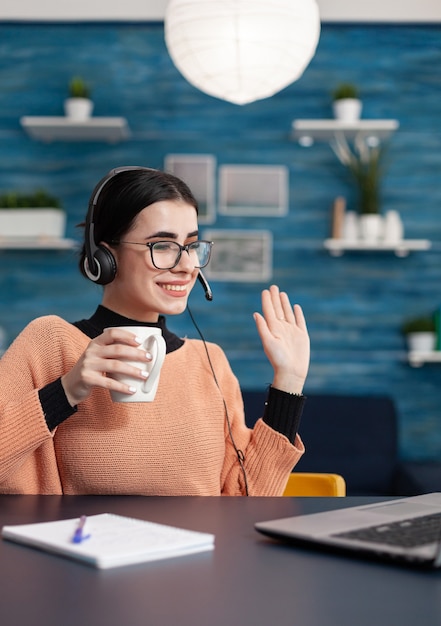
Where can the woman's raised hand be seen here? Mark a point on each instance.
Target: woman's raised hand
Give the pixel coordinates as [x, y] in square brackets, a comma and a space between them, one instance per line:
[285, 339]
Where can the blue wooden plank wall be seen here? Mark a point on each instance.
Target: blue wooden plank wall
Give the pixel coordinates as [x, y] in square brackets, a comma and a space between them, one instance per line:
[354, 304]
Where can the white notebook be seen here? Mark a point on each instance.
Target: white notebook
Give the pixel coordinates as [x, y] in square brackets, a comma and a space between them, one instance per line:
[110, 540]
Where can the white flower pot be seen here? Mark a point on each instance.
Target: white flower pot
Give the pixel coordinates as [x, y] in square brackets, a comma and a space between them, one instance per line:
[393, 227]
[371, 227]
[422, 341]
[350, 227]
[347, 109]
[78, 109]
[32, 223]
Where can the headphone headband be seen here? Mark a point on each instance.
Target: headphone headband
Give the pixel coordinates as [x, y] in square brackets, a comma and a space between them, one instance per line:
[99, 263]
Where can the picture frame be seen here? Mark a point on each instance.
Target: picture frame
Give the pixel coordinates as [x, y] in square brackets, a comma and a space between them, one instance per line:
[240, 255]
[253, 190]
[198, 171]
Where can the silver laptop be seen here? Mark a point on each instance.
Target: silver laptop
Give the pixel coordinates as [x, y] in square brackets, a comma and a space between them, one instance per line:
[406, 530]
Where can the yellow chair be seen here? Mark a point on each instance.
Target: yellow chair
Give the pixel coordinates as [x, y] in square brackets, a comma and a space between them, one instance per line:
[315, 484]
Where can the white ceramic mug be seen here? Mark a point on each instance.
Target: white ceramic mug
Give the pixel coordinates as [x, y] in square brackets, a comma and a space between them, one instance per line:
[153, 342]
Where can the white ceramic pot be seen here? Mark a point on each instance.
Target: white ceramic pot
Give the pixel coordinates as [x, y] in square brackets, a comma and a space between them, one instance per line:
[32, 223]
[78, 109]
[347, 109]
[421, 342]
[393, 227]
[350, 227]
[371, 227]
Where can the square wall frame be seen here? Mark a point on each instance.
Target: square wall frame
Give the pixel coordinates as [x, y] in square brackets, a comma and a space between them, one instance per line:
[253, 190]
[240, 255]
[198, 171]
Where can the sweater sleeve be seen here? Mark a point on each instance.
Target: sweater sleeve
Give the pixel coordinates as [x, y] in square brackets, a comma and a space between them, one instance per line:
[283, 412]
[28, 370]
[257, 461]
[55, 405]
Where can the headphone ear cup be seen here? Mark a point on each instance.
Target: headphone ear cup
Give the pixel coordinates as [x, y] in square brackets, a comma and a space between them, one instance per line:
[105, 266]
[107, 262]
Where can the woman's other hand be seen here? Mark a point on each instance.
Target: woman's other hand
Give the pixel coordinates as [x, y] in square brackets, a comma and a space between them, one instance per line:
[284, 335]
[107, 354]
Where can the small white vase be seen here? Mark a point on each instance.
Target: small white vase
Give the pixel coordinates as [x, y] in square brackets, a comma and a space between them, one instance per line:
[421, 341]
[78, 109]
[347, 109]
[350, 227]
[393, 227]
[371, 227]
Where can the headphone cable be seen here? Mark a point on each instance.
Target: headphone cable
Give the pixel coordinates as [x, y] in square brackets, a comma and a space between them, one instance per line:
[240, 455]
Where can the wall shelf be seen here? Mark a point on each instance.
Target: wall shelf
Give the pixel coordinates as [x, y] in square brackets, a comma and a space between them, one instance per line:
[337, 247]
[42, 243]
[308, 131]
[418, 358]
[110, 129]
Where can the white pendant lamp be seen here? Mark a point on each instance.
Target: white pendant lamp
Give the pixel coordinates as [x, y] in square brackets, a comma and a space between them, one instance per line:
[241, 50]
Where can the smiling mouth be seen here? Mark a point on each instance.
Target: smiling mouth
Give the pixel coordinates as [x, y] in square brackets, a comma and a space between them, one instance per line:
[174, 287]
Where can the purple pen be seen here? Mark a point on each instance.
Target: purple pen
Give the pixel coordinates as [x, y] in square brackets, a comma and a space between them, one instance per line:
[79, 535]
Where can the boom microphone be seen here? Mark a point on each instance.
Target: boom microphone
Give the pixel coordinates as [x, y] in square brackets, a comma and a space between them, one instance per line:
[206, 286]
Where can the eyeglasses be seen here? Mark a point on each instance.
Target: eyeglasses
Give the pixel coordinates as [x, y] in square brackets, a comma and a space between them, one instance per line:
[167, 254]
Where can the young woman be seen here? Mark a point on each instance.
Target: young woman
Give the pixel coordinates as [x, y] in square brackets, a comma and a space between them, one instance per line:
[60, 431]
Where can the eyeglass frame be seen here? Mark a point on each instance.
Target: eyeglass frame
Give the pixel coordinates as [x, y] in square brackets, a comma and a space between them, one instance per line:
[150, 245]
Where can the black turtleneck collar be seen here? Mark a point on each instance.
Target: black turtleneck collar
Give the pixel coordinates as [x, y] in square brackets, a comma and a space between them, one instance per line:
[104, 317]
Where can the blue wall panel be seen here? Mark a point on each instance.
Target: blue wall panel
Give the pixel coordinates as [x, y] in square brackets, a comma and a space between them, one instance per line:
[354, 304]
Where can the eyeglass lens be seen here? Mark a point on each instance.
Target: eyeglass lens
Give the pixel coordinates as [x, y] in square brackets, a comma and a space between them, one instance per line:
[166, 254]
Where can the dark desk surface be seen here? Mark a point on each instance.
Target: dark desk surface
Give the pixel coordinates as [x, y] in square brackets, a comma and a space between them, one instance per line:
[247, 580]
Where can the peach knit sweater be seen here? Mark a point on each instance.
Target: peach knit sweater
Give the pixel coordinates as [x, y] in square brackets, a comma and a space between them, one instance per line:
[176, 445]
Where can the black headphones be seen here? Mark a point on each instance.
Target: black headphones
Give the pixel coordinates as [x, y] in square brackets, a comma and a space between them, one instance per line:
[99, 263]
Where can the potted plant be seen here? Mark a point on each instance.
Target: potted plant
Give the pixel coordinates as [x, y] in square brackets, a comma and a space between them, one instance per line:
[420, 333]
[364, 163]
[78, 106]
[346, 103]
[31, 215]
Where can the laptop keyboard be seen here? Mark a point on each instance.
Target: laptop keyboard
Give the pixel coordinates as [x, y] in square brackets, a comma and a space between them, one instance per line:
[409, 533]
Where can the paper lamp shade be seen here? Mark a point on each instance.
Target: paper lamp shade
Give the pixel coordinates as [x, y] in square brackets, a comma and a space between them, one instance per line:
[241, 50]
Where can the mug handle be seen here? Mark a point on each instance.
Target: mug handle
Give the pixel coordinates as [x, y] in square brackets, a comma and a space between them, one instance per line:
[160, 354]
